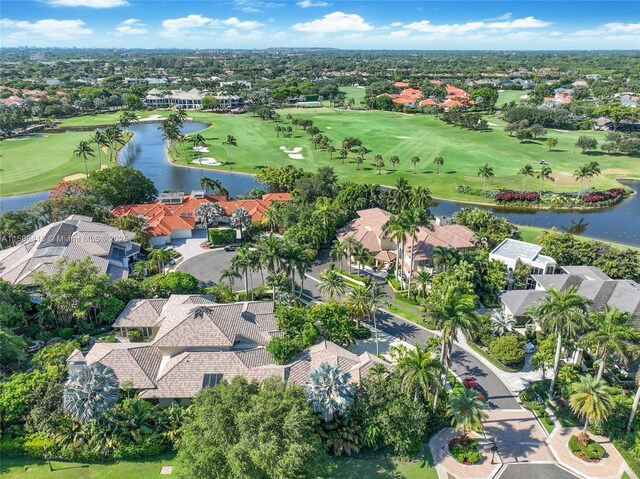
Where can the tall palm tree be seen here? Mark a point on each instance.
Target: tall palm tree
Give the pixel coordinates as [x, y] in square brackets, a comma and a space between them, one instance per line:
[210, 213]
[161, 257]
[90, 392]
[329, 391]
[271, 216]
[331, 149]
[337, 252]
[332, 283]
[379, 163]
[359, 304]
[562, 314]
[240, 218]
[377, 297]
[230, 142]
[271, 250]
[423, 280]
[501, 323]
[351, 245]
[420, 372]
[486, 172]
[420, 198]
[278, 282]
[344, 152]
[452, 309]
[591, 400]
[296, 260]
[230, 274]
[467, 410]
[526, 170]
[414, 161]
[396, 231]
[214, 184]
[438, 161]
[612, 334]
[580, 174]
[636, 401]
[394, 160]
[114, 137]
[326, 212]
[100, 140]
[442, 258]
[242, 261]
[415, 219]
[594, 170]
[362, 257]
[82, 151]
[359, 160]
[543, 175]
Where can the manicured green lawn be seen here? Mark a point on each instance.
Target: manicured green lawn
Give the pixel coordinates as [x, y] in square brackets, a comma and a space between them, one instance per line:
[354, 92]
[39, 163]
[384, 133]
[338, 468]
[11, 468]
[405, 136]
[507, 96]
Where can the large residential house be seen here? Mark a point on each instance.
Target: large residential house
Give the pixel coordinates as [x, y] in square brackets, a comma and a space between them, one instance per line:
[368, 229]
[591, 283]
[188, 100]
[173, 215]
[511, 252]
[75, 238]
[410, 97]
[193, 343]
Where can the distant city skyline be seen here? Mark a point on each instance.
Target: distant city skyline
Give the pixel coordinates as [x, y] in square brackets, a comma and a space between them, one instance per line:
[405, 25]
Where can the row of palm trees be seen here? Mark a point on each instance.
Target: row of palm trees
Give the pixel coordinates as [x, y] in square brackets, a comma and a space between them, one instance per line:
[111, 138]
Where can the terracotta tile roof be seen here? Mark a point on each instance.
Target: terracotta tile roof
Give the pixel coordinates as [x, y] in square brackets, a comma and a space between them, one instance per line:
[367, 229]
[401, 84]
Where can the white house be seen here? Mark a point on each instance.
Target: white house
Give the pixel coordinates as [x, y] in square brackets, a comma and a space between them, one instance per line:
[510, 251]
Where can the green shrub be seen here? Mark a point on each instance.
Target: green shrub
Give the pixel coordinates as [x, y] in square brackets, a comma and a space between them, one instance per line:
[11, 447]
[465, 452]
[134, 335]
[284, 349]
[107, 339]
[508, 349]
[591, 452]
[146, 448]
[65, 333]
[222, 236]
[34, 446]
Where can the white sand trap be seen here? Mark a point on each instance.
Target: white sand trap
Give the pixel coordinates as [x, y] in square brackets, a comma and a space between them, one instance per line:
[154, 117]
[80, 176]
[565, 173]
[403, 137]
[283, 148]
[207, 161]
[297, 149]
[27, 137]
[201, 149]
[188, 118]
[491, 124]
[561, 131]
[296, 156]
[329, 128]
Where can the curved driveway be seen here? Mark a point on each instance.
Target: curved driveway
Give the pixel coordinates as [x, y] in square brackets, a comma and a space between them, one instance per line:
[207, 266]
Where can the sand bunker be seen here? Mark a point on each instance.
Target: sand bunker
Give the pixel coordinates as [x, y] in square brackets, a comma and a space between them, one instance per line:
[201, 149]
[491, 124]
[283, 148]
[207, 162]
[27, 137]
[154, 117]
[403, 137]
[564, 178]
[296, 156]
[329, 128]
[561, 131]
[188, 118]
[80, 176]
[296, 149]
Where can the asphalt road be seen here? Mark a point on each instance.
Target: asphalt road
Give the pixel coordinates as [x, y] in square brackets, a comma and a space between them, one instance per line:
[207, 266]
[535, 471]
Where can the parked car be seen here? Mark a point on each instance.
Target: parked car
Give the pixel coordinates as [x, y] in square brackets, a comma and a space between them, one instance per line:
[232, 247]
[471, 383]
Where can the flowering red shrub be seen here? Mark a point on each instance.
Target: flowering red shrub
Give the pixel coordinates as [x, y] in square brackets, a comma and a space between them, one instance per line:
[510, 195]
[67, 189]
[598, 196]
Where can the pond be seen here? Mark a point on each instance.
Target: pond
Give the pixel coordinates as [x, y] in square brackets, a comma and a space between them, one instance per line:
[147, 152]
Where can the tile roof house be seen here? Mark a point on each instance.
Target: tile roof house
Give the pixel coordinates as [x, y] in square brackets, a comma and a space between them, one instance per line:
[75, 238]
[194, 343]
[591, 283]
[174, 216]
[368, 230]
[511, 251]
[190, 100]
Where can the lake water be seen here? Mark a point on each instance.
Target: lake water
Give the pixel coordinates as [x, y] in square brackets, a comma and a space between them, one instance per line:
[146, 152]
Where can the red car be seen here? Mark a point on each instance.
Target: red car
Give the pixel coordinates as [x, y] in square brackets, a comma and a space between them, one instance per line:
[471, 383]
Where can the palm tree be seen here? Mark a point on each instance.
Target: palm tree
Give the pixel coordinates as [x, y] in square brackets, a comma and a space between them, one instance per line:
[414, 220]
[278, 283]
[442, 258]
[82, 151]
[230, 274]
[636, 401]
[544, 174]
[160, 256]
[331, 149]
[198, 140]
[90, 392]
[240, 218]
[329, 391]
[613, 334]
[344, 152]
[362, 257]
[337, 252]
[580, 174]
[332, 283]
[562, 314]
[243, 261]
[100, 140]
[452, 309]
[502, 323]
[359, 303]
[438, 161]
[113, 136]
[591, 400]
[377, 297]
[394, 160]
[271, 250]
[486, 172]
[396, 231]
[210, 213]
[423, 280]
[420, 198]
[379, 163]
[594, 170]
[206, 183]
[526, 170]
[350, 245]
[468, 411]
[414, 161]
[359, 160]
[140, 268]
[271, 216]
[420, 373]
[229, 143]
[326, 212]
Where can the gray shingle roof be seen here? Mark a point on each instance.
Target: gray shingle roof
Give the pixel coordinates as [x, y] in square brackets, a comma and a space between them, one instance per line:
[518, 301]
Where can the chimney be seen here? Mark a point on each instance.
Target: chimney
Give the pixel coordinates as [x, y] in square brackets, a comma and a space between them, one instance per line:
[441, 220]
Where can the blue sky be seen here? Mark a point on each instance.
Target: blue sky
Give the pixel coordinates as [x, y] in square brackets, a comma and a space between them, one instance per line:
[508, 25]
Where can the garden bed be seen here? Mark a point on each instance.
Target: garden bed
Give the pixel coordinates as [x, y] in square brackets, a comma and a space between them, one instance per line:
[465, 450]
[586, 448]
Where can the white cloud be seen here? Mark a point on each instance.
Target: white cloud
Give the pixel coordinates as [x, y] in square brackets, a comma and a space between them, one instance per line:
[335, 22]
[312, 3]
[236, 23]
[47, 28]
[616, 30]
[425, 26]
[131, 26]
[254, 6]
[88, 3]
[528, 22]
